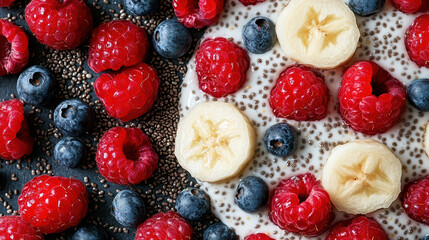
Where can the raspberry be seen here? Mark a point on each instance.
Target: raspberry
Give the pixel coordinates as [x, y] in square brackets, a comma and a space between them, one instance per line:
[116, 44]
[301, 205]
[198, 13]
[6, 3]
[14, 227]
[59, 24]
[300, 94]
[251, 2]
[130, 93]
[14, 52]
[258, 236]
[15, 140]
[408, 6]
[415, 199]
[125, 156]
[221, 67]
[53, 204]
[162, 226]
[417, 41]
[371, 100]
[360, 228]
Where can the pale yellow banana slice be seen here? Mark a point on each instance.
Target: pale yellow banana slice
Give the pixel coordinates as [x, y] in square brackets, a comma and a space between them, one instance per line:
[362, 176]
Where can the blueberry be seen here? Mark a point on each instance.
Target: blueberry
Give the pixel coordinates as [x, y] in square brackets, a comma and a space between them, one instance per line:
[418, 94]
[219, 231]
[90, 232]
[252, 194]
[259, 35]
[426, 237]
[69, 152]
[36, 85]
[74, 117]
[142, 7]
[171, 39]
[366, 8]
[281, 139]
[128, 208]
[193, 204]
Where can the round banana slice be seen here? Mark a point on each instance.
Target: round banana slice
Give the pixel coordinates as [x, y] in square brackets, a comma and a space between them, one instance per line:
[362, 176]
[319, 33]
[215, 141]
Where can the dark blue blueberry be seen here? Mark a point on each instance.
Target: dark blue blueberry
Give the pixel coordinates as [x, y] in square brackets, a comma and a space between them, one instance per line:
[142, 7]
[193, 204]
[426, 237]
[366, 8]
[281, 139]
[69, 152]
[171, 39]
[259, 35]
[36, 85]
[128, 208]
[252, 194]
[219, 231]
[418, 94]
[90, 232]
[74, 117]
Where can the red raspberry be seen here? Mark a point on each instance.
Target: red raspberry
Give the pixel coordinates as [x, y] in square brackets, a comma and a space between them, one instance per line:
[125, 156]
[417, 41]
[14, 227]
[258, 236]
[6, 3]
[300, 94]
[415, 199]
[408, 6]
[15, 140]
[371, 100]
[14, 52]
[360, 228]
[251, 2]
[167, 225]
[198, 13]
[59, 24]
[116, 44]
[301, 205]
[53, 204]
[221, 67]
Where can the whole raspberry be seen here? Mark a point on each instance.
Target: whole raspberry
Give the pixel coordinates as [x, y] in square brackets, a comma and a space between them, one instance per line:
[14, 227]
[125, 156]
[15, 140]
[300, 94]
[359, 228]
[221, 66]
[251, 2]
[417, 41]
[162, 226]
[116, 44]
[371, 100]
[198, 13]
[53, 204]
[6, 3]
[14, 52]
[415, 199]
[258, 236]
[59, 24]
[301, 205]
[129, 93]
[409, 6]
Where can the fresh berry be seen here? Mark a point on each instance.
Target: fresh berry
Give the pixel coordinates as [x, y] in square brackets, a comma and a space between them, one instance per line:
[198, 13]
[69, 152]
[417, 41]
[426, 237]
[125, 156]
[252, 194]
[251, 2]
[142, 7]
[415, 199]
[219, 231]
[53, 204]
[129, 93]
[61, 25]
[281, 139]
[90, 232]
[358, 228]
[366, 8]
[14, 227]
[300, 94]
[128, 208]
[74, 117]
[167, 225]
[371, 100]
[258, 236]
[301, 205]
[221, 66]
[171, 39]
[15, 140]
[6, 3]
[408, 6]
[36, 85]
[116, 44]
[418, 94]
[259, 35]
[193, 204]
[14, 54]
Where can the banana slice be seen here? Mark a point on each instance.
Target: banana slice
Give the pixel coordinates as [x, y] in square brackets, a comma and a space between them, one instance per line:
[362, 176]
[215, 141]
[319, 33]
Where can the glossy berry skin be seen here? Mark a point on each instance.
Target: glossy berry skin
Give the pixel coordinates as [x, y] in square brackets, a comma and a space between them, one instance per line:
[6, 3]
[250, 2]
[426, 237]
[365, 8]
[14, 54]
[74, 117]
[15, 227]
[281, 139]
[409, 6]
[415, 200]
[125, 156]
[300, 205]
[69, 152]
[221, 67]
[36, 85]
[61, 25]
[359, 228]
[219, 231]
[371, 100]
[193, 204]
[129, 93]
[417, 41]
[142, 7]
[198, 13]
[300, 94]
[418, 94]
[53, 204]
[258, 236]
[90, 232]
[116, 44]
[252, 194]
[167, 225]
[171, 39]
[259, 35]
[128, 208]
[15, 140]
